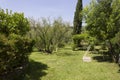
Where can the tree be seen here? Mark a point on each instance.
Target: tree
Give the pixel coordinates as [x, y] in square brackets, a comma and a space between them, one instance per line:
[78, 21]
[102, 21]
[14, 45]
[49, 36]
[116, 45]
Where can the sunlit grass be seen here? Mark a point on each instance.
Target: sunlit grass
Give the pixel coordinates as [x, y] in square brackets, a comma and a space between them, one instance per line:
[68, 65]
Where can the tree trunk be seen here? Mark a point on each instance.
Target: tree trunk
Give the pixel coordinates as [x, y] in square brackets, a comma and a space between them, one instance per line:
[112, 52]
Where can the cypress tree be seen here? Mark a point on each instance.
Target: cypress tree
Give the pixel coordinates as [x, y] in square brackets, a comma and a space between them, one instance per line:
[78, 20]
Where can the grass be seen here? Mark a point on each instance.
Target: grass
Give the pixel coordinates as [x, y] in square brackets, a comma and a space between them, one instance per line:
[68, 65]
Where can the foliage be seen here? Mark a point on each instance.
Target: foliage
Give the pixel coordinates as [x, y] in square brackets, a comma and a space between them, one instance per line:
[116, 40]
[14, 46]
[49, 36]
[78, 18]
[78, 21]
[102, 20]
[13, 23]
[85, 39]
[116, 45]
[78, 37]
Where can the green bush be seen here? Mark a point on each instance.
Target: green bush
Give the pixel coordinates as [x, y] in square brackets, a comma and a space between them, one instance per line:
[14, 46]
[78, 38]
[14, 51]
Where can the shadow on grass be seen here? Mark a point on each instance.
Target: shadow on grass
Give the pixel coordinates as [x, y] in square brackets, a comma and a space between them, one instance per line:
[102, 58]
[35, 71]
[119, 71]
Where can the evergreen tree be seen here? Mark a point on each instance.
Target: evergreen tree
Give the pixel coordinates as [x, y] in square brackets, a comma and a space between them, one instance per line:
[103, 22]
[78, 21]
[78, 18]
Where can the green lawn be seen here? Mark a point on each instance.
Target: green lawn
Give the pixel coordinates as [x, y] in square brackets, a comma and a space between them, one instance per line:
[68, 65]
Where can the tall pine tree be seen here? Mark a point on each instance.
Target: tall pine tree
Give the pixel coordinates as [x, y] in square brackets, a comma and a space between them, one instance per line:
[78, 20]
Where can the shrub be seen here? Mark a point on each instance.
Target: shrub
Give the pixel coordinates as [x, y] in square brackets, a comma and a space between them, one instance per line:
[78, 38]
[14, 46]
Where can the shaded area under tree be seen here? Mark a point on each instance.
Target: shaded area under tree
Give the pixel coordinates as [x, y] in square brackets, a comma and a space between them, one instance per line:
[35, 70]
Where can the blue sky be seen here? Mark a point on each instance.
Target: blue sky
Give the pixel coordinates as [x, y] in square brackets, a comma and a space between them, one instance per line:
[43, 8]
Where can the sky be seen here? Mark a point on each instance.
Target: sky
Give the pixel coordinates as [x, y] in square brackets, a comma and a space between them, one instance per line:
[43, 8]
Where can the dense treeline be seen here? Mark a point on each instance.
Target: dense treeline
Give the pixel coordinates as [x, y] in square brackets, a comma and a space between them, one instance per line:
[14, 45]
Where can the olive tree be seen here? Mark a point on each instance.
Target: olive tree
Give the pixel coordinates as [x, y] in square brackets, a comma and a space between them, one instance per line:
[49, 36]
